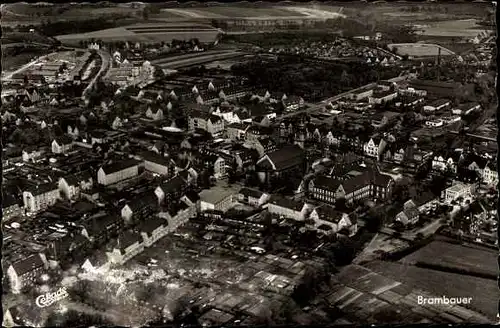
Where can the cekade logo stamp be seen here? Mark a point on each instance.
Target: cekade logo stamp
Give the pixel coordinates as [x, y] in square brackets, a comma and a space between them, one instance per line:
[51, 298]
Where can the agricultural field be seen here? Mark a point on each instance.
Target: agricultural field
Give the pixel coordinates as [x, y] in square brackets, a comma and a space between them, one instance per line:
[147, 33]
[459, 256]
[484, 292]
[419, 49]
[467, 28]
[32, 13]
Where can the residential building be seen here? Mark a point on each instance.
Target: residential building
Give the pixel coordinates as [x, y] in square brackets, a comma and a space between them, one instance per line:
[375, 147]
[69, 186]
[213, 124]
[39, 197]
[287, 208]
[293, 103]
[153, 230]
[437, 105]
[178, 215]
[26, 272]
[253, 197]
[128, 245]
[490, 173]
[382, 97]
[434, 123]
[171, 190]
[10, 206]
[62, 144]
[327, 220]
[440, 163]
[217, 198]
[361, 94]
[157, 164]
[115, 172]
[457, 190]
[139, 209]
[237, 131]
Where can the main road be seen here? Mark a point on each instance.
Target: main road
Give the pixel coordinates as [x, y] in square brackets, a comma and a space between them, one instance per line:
[321, 105]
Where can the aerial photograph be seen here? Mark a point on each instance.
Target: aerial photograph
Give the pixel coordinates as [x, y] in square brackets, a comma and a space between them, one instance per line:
[249, 163]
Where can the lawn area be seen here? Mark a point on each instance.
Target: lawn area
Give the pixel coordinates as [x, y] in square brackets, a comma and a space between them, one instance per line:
[453, 255]
[230, 11]
[419, 49]
[484, 292]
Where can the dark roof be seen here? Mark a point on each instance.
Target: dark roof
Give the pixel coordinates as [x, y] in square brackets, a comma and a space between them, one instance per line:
[439, 102]
[155, 158]
[127, 239]
[42, 189]
[63, 140]
[369, 176]
[423, 198]
[173, 185]
[286, 157]
[119, 166]
[239, 126]
[29, 264]
[328, 213]
[381, 94]
[148, 199]
[192, 196]
[152, 224]
[251, 192]
[326, 183]
[287, 203]
[468, 105]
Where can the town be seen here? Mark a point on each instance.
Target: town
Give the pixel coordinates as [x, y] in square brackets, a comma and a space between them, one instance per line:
[212, 181]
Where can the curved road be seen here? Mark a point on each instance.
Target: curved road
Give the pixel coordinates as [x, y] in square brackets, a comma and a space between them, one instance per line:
[106, 62]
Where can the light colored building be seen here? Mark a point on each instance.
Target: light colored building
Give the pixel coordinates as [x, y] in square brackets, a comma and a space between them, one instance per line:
[118, 171]
[288, 208]
[157, 164]
[153, 230]
[253, 197]
[213, 124]
[375, 147]
[457, 190]
[218, 198]
[490, 174]
[434, 123]
[40, 197]
[128, 245]
[25, 273]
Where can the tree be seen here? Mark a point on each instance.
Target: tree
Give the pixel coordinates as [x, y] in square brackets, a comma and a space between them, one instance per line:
[146, 12]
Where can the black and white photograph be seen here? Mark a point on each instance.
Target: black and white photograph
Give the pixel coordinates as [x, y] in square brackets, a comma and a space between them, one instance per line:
[219, 164]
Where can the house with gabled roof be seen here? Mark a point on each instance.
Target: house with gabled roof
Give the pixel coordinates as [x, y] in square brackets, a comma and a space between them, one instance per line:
[62, 144]
[39, 197]
[253, 197]
[153, 230]
[213, 124]
[128, 245]
[115, 172]
[157, 164]
[26, 272]
[375, 146]
[326, 215]
[170, 190]
[288, 208]
[140, 208]
[490, 173]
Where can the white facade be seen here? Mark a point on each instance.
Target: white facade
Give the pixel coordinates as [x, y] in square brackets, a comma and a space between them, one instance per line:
[35, 203]
[108, 179]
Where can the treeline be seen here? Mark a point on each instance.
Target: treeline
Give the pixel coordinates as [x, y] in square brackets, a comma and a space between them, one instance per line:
[311, 81]
[70, 27]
